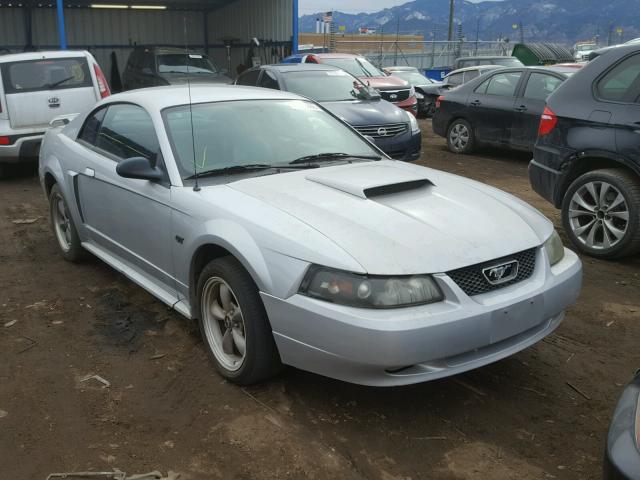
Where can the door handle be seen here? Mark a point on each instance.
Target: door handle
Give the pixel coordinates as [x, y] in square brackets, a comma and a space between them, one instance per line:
[476, 103]
[89, 172]
[521, 108]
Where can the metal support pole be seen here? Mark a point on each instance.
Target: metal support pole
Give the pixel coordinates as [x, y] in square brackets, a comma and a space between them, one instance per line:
[205, 25]
[294, 38]
[61, 31]
[28, 28]
[451, 14]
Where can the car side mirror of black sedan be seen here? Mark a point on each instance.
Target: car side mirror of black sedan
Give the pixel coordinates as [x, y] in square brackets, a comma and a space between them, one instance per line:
[139, 168]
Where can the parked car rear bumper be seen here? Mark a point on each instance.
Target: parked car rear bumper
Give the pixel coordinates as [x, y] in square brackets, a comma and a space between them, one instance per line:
[22, 148]
[622, 458]
[417, 344]
[546, 175]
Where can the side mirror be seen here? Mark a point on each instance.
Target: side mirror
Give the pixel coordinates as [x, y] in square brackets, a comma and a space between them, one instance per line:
[139, 168]
[147, 72]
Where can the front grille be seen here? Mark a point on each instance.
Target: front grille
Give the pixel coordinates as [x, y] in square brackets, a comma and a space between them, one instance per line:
[382, 131]
[395, 96]
[472, 281]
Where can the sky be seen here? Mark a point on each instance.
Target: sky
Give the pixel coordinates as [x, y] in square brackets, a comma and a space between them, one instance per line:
[349, 6]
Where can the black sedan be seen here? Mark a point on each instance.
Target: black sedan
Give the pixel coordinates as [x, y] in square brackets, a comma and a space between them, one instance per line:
[622, 459]
[394, 131]
[501, 108]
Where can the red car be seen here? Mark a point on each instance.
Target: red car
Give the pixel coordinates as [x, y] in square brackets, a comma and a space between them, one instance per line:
[392, 89]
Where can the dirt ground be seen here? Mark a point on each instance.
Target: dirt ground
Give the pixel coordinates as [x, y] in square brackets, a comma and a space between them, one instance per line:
[167, 409]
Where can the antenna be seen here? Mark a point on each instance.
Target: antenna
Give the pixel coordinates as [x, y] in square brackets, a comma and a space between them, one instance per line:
[196, 187]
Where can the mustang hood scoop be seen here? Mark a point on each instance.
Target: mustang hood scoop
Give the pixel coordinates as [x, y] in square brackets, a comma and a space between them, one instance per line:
[366, 181]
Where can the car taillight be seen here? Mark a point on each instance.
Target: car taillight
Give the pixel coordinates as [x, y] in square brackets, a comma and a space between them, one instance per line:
[548, 122]
[103, 86]
[5, 141]
[439, 101]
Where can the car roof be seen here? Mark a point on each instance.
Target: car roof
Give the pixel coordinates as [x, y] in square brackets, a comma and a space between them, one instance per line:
[563, 68]
[17, 57]
[484, 57]
[476, 67]
[336, 55]
[400, 69]
[166, 50]
[300, 67]
[159, 98]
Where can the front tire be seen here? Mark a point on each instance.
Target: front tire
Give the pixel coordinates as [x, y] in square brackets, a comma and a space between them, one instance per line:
[601, 213]
[64, 228]
[234, 323]
[460, 137]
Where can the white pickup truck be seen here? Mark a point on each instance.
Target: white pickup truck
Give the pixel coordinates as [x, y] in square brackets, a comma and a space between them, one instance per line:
[37, 87]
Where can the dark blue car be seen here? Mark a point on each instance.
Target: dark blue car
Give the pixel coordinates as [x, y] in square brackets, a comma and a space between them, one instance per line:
[394, 131]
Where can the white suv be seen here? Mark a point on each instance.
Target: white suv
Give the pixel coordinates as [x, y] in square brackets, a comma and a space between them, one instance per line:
[37, 87]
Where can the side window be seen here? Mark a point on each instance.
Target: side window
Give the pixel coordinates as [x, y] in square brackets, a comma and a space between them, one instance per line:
[269, 80]
[89, 132]
[621, 83]
[127, 131]
[503, 84]
[249, 78]
[455, 80]
[470, 75]
[541, 85]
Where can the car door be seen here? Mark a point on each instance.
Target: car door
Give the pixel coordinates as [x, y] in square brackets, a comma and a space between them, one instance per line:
[620, 88]
[490, 107]
[529, 105]
[128, 219]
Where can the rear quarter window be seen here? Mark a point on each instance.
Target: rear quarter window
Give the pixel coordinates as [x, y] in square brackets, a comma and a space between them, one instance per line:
[45, 74]
[622, 82]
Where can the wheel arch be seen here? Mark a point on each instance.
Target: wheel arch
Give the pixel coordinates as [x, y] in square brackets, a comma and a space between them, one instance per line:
[589, 162]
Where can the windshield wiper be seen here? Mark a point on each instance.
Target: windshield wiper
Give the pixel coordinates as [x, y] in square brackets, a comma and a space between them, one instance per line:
[330, 157]
[59, 82]
[244, 168]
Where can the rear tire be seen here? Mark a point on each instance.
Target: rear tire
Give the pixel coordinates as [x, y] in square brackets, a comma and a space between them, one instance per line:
[234, 324]
[460, 137]
[64, 228]
[601, 213]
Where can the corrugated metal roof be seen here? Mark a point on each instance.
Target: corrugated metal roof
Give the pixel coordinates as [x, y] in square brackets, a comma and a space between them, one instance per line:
[545, 52]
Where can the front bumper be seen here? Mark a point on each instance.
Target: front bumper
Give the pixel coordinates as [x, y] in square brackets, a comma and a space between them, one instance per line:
[23, 148]
[417, 344]
[405, 147]
[622, 459]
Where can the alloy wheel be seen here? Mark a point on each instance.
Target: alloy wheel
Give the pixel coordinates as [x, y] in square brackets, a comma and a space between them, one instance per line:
[459, 137]
[598, 215]
[61, 223]
[223, 323]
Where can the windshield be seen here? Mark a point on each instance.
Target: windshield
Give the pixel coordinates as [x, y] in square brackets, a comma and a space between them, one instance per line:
[506, 62]
[328, 86]
[356, 66]
[268, 132]
[191, 63]
[414, 78]
[46, 74]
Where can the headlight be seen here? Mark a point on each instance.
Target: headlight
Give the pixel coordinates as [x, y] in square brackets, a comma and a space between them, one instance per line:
[554, 248]
[415, 128]
[364, 291]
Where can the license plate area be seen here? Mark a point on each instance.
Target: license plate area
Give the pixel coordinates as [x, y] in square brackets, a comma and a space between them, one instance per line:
[517, 318]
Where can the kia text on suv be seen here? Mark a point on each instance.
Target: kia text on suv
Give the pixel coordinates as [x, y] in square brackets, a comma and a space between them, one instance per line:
[37, 87]
[392, 89]
[587, 156]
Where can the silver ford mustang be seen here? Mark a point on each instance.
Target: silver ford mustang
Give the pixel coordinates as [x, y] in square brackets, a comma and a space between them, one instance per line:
[293, 240]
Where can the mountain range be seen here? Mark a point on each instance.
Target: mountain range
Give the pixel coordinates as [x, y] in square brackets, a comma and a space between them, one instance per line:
[561, 21]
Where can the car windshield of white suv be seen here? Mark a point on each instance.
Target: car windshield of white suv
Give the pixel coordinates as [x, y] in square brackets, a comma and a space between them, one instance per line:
[259, 134]
[358, 67]
[327, 86]
[45, 74]
[191, 63]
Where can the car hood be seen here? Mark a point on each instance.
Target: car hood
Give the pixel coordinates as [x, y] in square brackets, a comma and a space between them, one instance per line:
[385, 83]
[367, 112]
[397, 218]
[179, 78]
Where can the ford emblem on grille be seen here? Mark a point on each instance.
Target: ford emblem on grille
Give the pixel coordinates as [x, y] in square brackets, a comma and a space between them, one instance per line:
[382, 132]
[502, 273]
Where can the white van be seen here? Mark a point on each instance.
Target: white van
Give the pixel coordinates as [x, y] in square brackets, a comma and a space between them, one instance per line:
[37, 87]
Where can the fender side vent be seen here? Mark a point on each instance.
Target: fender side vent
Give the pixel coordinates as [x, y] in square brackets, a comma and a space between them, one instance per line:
[396, 188]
